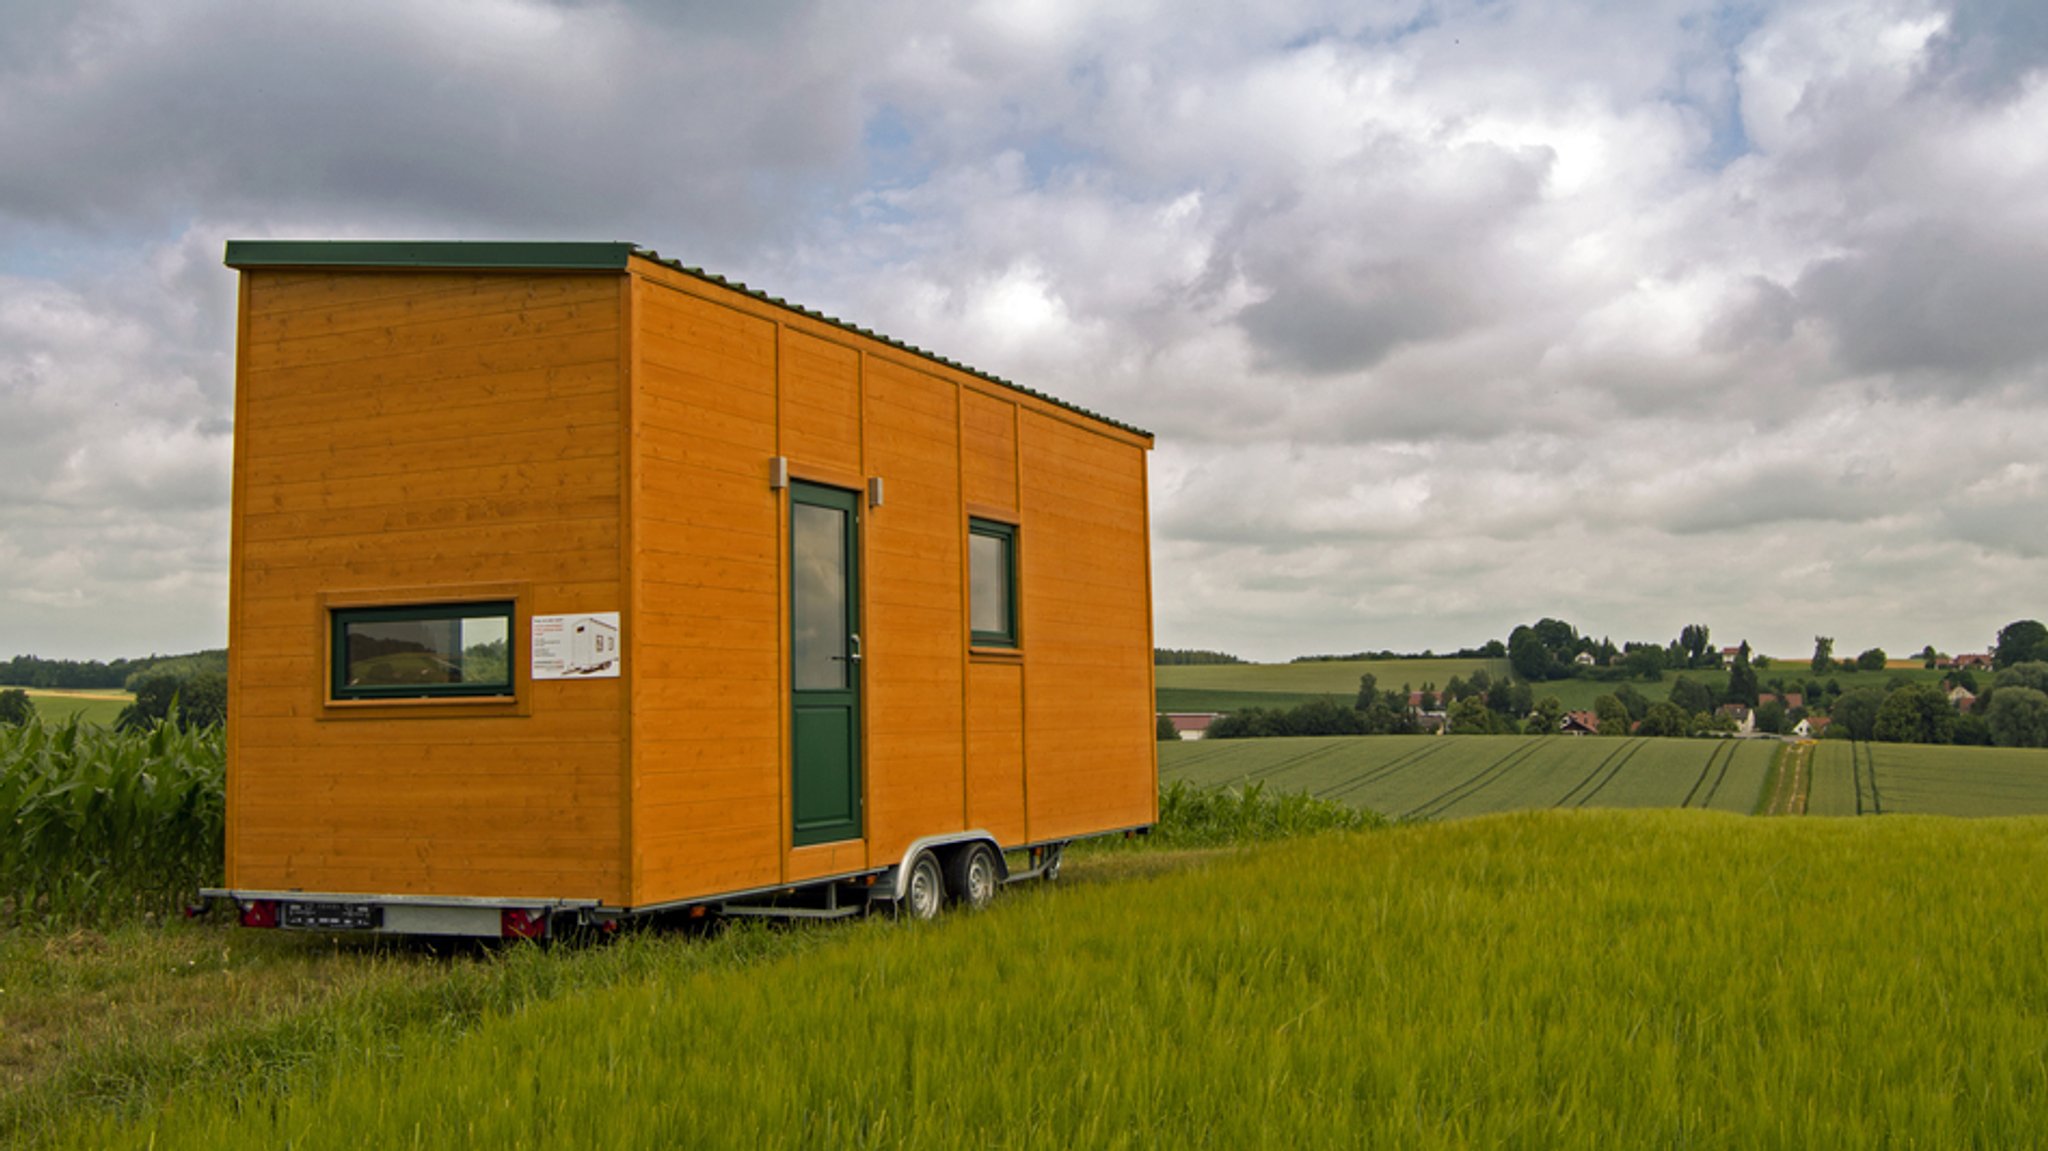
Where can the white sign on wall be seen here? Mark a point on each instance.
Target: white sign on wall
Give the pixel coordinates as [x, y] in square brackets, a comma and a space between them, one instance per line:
[582, 646]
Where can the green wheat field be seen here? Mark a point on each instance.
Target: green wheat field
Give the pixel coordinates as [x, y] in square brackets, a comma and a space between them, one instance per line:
[1591, 979]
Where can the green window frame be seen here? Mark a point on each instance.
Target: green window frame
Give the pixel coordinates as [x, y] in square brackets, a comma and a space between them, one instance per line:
[421, 651]
[992, 583]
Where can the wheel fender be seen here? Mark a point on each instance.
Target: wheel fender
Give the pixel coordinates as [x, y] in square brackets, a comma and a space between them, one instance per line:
[891, 885]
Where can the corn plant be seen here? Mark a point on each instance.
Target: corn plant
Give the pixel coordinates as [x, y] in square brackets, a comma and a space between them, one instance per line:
[102, 825]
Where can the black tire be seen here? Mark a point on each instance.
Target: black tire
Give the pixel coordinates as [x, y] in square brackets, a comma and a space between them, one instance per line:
[924, 888]
[972, 876]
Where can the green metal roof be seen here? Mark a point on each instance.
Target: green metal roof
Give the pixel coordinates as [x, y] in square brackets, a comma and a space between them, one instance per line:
[563, 257]
[427, 254]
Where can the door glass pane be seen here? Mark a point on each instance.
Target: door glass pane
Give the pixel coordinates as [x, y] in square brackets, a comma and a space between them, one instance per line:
[818, 583]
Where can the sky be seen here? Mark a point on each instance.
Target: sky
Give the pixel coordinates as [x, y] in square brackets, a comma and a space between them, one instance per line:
[1447, 316]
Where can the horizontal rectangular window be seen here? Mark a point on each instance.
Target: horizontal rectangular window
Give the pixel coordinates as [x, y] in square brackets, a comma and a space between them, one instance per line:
[422, 651]
[992, 583]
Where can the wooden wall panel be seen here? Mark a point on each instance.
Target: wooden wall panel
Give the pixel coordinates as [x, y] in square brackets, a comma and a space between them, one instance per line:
[1086, 613]
[399, 429]
[995, 750]
[708, 696]
[988, 450]
[820, 391]
[916, 740]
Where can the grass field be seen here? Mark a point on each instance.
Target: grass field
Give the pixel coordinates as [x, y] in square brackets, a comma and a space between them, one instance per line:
[1229, 687]
[1552, 979]
[100, 707]
[1442, 777]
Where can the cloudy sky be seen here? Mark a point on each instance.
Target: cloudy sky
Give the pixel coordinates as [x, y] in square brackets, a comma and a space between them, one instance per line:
[1447, 315]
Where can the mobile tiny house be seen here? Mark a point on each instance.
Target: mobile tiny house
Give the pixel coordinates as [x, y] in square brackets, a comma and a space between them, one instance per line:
[568, 581]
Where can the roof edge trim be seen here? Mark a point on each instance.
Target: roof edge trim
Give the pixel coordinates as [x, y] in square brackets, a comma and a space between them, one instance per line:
[537, 256]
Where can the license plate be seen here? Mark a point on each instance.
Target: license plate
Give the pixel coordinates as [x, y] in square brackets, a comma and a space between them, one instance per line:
[332, 916]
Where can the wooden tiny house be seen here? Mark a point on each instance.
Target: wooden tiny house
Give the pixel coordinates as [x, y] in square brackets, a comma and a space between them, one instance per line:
[566, 578]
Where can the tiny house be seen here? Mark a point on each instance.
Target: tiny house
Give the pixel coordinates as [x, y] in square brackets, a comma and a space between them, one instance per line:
[569, 584]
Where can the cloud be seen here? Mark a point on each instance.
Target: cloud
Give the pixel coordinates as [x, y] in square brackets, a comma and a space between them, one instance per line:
[1449, 316]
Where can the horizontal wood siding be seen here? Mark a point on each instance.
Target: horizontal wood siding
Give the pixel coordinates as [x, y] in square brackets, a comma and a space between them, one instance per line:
[708, 690]
[1086, 619]
[995, 750]
[916, 638]
[417, 430]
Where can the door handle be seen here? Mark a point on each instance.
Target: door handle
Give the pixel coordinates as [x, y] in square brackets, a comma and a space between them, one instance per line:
[853, 656]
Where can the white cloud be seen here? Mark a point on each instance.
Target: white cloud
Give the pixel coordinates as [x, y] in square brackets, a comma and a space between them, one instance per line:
[1449, 316]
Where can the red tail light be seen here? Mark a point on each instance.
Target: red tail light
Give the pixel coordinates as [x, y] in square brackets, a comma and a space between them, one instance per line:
[259, 913]
[519, 923]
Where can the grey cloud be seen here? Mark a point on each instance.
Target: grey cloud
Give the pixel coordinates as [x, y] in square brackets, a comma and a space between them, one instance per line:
[1368, 261]
[553, 121]
[1991, 46]
[1935, 296]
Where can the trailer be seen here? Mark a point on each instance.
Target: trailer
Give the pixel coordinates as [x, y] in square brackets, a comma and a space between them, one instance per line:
[569, 584]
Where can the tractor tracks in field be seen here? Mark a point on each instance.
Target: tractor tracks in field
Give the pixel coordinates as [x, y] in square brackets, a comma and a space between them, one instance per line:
[1863, 770]
[1383, 771]
[1612, 765]
[1726, 754]
[1432, 808]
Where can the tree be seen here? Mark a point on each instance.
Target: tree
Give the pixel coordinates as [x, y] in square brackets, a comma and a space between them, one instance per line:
[1856, 712]
[1636, 702]
[1872, 660]
[1917, 713]
[1823, 655]
[2018, 718]
[2020, 641]
[16, 707]
[1518, 699]
[1771, 717]
[1527, 655]
[1368, 691]
[201, 699]
[1742, 679]
[1929, 657]
[1645, 662]
[1666, 719]
[1547, 717]
[1613, 715]
[1692, 639]
[1165, 731]
[2033, 673]
[1469, 716]
[1690, 696]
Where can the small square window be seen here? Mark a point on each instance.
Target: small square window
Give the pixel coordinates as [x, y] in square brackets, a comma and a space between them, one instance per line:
[992, 583]
[422, 651]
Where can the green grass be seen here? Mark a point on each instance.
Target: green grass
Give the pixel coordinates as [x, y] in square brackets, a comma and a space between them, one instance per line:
[1553, 979]
[1228, 687]
[1433, 777]
[96, 707]
[1313, 679]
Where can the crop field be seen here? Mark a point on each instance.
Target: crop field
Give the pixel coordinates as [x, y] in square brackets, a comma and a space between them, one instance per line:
[1568, 979]
[1228, 687]
[100, 707]
[1441, 777]
[1918, 779]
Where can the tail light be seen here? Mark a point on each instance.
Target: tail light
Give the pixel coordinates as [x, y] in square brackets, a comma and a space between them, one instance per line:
[519, 923]
[259, 913]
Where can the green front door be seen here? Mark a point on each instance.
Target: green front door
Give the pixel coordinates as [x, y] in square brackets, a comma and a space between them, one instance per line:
[824, 612]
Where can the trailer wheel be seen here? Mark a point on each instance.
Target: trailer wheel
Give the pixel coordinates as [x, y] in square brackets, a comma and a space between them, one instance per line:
[924, 888]
[971, 876]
